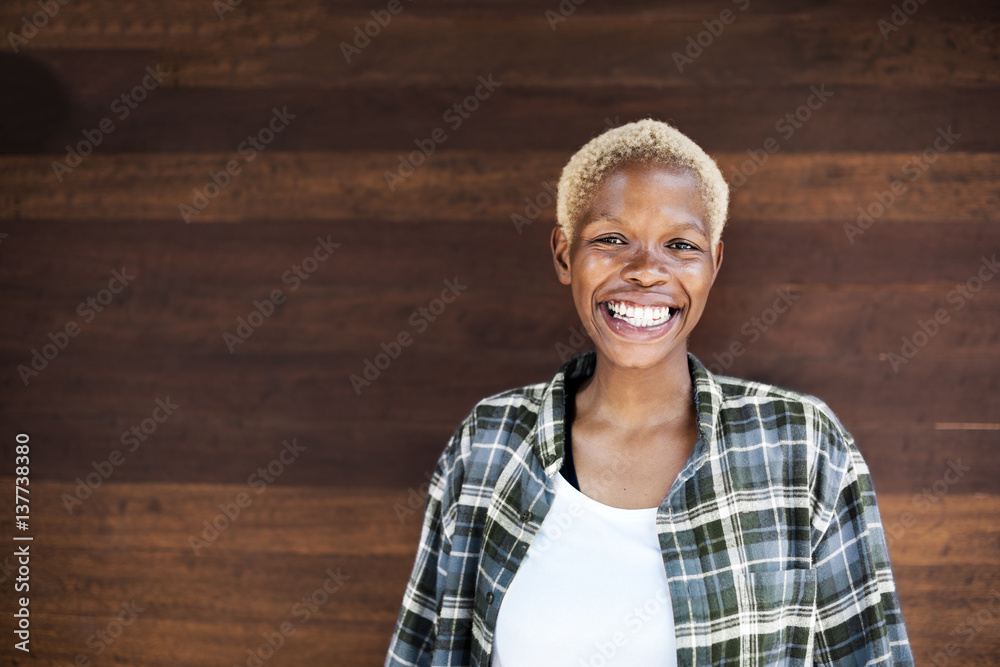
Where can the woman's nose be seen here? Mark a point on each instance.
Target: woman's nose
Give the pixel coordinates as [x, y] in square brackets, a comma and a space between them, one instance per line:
[646, 267]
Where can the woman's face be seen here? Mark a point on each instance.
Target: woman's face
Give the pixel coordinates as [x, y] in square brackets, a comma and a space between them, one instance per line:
[641, 265]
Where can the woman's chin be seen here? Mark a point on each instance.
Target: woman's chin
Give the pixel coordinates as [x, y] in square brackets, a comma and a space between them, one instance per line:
[640, 357]
[626, 346]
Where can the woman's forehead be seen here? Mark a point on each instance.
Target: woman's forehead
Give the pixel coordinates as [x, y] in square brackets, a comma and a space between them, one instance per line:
[677, 189]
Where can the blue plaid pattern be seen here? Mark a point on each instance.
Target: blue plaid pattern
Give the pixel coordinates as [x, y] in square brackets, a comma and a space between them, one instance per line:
[771, 537]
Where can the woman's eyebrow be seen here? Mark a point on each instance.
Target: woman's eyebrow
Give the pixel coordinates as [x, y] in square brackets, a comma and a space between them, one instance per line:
[683, 225]
[606, 217]
[690, 225]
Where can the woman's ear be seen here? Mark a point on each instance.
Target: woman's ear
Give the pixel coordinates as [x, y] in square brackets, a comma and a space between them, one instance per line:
[560, 254]
[718, 261]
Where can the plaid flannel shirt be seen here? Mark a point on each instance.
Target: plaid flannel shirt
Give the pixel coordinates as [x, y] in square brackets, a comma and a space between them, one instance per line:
[771, 537]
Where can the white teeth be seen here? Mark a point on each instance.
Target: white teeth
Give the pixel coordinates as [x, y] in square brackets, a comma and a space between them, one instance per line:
[640, 316]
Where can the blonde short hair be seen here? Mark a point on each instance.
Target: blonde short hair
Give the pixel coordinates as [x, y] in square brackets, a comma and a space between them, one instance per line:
[644, 141]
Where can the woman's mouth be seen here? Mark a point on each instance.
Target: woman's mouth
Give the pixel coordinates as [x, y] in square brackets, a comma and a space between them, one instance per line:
[633, 319]
[639, 316]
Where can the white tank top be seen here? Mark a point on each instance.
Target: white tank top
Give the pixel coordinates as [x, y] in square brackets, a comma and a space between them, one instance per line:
[591, 592]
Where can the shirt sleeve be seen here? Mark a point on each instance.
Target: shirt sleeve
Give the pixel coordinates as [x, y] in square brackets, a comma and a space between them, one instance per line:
[859, 617]
[413, 638]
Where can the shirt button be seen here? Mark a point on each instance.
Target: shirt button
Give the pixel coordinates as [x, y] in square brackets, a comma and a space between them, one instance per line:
[527, 516]
[489, 598]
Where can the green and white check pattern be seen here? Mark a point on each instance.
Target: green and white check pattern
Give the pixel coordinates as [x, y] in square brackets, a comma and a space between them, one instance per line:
[771, 537]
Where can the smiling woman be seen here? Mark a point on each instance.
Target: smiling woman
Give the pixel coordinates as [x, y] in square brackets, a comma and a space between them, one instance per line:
[681, 517]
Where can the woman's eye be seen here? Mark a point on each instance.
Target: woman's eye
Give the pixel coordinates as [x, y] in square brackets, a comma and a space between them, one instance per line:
[682, 245]
[612, 240]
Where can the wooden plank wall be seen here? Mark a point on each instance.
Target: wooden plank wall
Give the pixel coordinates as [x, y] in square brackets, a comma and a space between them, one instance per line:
[331, 513]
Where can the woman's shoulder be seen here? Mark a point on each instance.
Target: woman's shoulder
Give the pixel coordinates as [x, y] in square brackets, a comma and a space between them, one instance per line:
[780, 424]
[736, 388]
[779, 404]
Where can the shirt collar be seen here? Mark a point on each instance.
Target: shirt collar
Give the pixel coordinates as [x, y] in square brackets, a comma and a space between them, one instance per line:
[549, 445]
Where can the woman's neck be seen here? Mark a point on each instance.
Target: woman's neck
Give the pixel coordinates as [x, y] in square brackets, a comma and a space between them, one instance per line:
[639, 399]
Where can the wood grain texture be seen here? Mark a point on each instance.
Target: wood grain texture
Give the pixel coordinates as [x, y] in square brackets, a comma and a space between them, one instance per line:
[275, 11]
[163, 337]
[469, 186]
[208, 608]
[107, 383]
[300, 45]
[75, 260]
[366, 117]
[352, 500]
[810, 320]
[904, 457]
[235, 412]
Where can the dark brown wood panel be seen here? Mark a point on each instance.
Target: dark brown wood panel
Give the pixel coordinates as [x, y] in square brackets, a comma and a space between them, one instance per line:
[467, 186]
[855, 118]
[802, 320]
[283, 544]
[263, 401]
[904, 456]
[282, 49]
[865, 390]
[135, 16]
[346, 502]
[74, 260]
